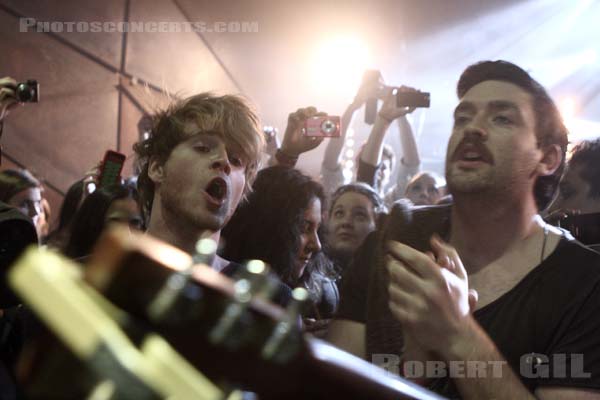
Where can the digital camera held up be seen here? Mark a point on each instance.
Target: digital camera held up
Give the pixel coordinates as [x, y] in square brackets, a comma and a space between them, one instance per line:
[412, 98]
[322, 126]
[28, 92]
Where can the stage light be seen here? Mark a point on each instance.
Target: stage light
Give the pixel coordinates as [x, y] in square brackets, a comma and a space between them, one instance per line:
[349, 134]
[339, 64]
[349, 153]
[349, 143]
[348, 174]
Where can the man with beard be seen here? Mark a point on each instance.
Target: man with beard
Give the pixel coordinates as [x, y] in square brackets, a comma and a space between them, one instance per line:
[198, 161]
[533, 332]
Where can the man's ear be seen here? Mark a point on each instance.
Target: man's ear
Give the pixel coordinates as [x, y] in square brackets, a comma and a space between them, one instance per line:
[551, 158]
[156, 170]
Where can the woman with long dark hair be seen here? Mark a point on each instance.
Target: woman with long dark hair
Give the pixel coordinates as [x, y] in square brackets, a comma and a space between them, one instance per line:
[279, 224]
[116, 203]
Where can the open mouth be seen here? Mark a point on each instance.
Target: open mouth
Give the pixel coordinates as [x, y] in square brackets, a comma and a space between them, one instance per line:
[471, 152]
[471, 156]
[217, 189]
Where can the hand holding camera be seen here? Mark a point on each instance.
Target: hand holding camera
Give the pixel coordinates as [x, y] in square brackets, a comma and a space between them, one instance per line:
[370, 88]
[295, 139]
[390, 110]
[8, 99]
[13, 93]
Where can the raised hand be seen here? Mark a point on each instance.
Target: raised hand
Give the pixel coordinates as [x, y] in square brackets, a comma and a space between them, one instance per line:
[294, 142]
[389, 111]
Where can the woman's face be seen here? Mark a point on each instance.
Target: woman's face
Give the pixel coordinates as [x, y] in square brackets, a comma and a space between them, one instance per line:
[309, 239]
[352, 219]
[125, 211]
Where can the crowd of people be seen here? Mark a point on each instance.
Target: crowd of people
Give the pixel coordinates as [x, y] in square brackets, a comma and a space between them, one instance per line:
[419, 270]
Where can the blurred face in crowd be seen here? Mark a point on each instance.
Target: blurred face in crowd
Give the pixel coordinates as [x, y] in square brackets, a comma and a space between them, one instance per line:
[352, 219]
[574, 193]
[29, 202]
[493, 146]
[423, 191]
[125, 211]
[309, 239]
[384, 172]
[202, 181]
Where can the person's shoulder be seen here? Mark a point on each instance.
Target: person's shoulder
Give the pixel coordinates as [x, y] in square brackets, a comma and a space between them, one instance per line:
[573, 269]
[572, 252]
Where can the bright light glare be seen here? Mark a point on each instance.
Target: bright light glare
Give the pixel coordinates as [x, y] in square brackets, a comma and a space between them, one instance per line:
[567, 109]
[339, 64]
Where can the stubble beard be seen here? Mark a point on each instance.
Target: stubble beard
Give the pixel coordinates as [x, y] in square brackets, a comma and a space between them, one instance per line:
[191, 217]
[469, 182]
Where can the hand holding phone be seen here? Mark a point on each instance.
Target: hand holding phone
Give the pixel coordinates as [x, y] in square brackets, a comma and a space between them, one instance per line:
[110, 170]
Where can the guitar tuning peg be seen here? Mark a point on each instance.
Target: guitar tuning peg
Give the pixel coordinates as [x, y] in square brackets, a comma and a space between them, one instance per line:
[284, 329]
[252, 281]
[205, 250]
[162, 305]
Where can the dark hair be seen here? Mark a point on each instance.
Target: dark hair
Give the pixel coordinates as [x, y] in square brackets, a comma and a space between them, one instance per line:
[70, 204]
[268, 224]
[549, 126]
[89, 221]
[230, 116]
[360, 188]
[13, 181]
[587, 155]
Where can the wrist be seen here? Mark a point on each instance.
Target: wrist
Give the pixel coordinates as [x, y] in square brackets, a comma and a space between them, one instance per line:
[461, 345]
[384, 119]
[285, 158]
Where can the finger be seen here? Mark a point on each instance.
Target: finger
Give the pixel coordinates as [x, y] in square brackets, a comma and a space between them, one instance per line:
[6, 93]
[294, 117]
[416, 261]
[430, 255]
[473, 298]
[316, 141]
[401, 276]
[309, 112]
[443, 249]
[404, 300]
[401, 314]
[8, 81]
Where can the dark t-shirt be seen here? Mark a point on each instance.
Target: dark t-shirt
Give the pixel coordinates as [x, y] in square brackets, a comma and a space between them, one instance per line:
[554, 311]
